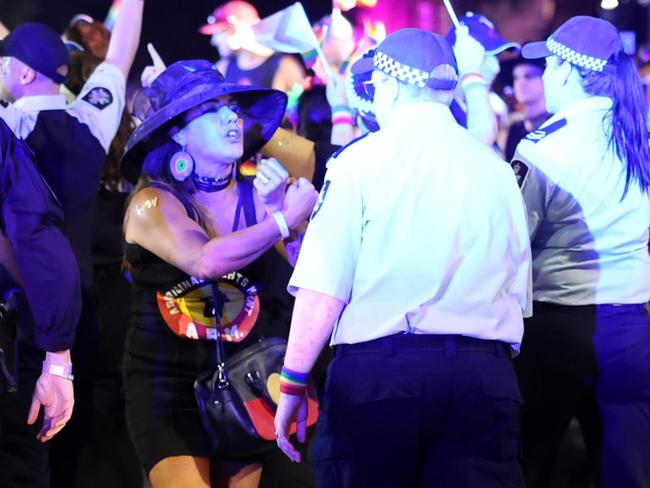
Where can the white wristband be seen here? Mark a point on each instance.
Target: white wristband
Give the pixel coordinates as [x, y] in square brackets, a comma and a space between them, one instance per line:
[282, 224]
[58, 370]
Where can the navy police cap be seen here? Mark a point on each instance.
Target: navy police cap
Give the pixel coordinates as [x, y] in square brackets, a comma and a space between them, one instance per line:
[485, 32]
[584, 41]
[40, 48]
[411, 56]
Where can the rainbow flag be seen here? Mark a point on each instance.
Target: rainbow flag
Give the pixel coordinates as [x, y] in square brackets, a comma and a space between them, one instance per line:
[111, 17]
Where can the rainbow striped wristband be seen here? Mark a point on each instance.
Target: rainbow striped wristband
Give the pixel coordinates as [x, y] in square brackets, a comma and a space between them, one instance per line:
[341, 114]
[472, 79]
[293, 382]
[343, 119]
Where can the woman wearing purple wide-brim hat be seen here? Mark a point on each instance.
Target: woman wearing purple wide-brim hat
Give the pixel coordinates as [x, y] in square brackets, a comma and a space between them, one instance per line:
[191, 224]
[585, 177]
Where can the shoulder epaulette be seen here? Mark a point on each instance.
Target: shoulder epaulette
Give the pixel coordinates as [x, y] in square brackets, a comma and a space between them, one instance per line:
[539, 134]
[334, 156]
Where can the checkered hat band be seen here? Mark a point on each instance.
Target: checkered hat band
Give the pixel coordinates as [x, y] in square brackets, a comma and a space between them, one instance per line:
[574, 57]
[402, 72]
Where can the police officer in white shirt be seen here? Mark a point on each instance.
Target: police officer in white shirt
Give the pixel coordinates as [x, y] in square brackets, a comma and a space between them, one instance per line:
[585, 176]
[416, 262]
[70, 143]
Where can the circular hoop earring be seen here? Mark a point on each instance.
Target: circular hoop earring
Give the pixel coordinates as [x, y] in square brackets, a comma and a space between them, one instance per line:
[181, 165]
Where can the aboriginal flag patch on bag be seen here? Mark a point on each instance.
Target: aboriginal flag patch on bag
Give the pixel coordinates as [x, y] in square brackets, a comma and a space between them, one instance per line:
[189, 309]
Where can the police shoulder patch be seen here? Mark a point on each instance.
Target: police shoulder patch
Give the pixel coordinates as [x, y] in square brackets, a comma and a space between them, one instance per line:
[99, 97]
[539, 134]
[348, 145]
[521, 170]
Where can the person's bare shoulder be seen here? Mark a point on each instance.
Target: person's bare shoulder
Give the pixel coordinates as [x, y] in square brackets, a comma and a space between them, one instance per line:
[149, 208]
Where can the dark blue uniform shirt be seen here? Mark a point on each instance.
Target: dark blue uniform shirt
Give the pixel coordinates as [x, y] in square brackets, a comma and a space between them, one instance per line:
[43, 257]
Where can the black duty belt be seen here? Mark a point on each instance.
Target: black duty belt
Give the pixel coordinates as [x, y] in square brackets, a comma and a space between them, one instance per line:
[449, 344]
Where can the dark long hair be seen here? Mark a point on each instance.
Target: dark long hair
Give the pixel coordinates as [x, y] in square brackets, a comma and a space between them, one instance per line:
[628, 136]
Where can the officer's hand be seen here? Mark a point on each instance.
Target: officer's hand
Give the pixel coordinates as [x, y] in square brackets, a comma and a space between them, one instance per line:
[290, 408]
[469, 52]
[56, 395]
[299, 202]
[271, 183]
[151, 72]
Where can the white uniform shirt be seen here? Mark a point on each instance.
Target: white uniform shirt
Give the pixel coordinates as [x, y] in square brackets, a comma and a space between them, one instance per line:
[419, 228]
[99, 106]
[588, 245]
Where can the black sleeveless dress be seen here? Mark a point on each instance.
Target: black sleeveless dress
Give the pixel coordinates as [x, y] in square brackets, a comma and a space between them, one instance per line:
[160, 366]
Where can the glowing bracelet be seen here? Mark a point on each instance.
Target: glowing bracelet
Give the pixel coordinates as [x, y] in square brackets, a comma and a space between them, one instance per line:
[282, 224]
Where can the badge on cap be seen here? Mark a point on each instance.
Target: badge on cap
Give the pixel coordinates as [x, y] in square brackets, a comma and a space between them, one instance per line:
[99, 97]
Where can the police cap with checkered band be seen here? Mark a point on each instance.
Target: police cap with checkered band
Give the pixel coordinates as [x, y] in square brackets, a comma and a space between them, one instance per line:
[587, 42]
[411, 56]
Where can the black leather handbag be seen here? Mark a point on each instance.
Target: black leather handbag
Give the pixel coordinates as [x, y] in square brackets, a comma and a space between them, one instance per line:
[237, 399]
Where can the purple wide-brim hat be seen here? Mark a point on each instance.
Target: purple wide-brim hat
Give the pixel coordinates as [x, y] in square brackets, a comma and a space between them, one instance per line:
[185, 85]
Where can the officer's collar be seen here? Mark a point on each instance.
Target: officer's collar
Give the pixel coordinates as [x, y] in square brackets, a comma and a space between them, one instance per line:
[589, 104]
[39, 103]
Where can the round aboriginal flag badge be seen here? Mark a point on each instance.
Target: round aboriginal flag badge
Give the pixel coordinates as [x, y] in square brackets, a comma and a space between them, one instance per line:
[189, 308]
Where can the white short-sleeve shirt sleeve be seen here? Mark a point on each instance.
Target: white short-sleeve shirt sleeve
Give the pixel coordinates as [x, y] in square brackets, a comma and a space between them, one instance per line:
[101, 102]
[331, 246]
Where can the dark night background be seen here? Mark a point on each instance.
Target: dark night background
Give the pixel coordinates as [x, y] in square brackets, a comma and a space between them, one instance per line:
[171, 25]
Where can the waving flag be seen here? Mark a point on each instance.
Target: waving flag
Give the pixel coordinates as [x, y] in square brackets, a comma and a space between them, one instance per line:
[287, 31]
[111, 17]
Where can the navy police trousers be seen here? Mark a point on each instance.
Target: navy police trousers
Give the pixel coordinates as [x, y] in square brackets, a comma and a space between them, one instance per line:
[419, 411]
[593, 358]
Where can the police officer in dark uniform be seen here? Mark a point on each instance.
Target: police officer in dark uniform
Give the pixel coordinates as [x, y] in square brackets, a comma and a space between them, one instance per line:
[37, 256]
[70, 142]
